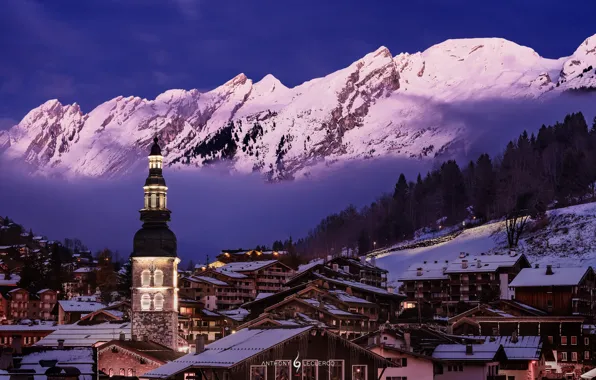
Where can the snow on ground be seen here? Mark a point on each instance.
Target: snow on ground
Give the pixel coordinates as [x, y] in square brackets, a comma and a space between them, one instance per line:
[568, 240]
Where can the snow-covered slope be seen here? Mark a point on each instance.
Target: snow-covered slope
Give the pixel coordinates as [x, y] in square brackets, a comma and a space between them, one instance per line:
[381, 105]
[567, 240]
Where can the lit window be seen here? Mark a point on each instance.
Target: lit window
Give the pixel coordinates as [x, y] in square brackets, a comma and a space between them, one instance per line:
[359, 372]
[563, 356]
[563, 340]
[574, 356]
[573, 340]
[153, 200]
[158, 278]
[146, 278]
[122, 372]
[586, 341]
[129, 372]
[258, 372]
[158, 301]
[145, 302]
[587, 355]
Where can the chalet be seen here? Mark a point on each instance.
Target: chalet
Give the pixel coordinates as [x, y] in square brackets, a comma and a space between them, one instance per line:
[29, 333]
[366, 272]
[564, 336]
[72, 311]
[121, 357]
[408, 365]
[244, 286]
[195, 320]
[480, 278]
[270, 353]
[268, 276]
[525, 359]
[558, 291]
[214, 294]
[344, 314]
[388, 302]
[25, 305]
[117, 312]
[470, 361]
[259, 304]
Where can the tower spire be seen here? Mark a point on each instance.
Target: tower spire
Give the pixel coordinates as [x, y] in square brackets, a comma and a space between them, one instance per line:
[155, 209]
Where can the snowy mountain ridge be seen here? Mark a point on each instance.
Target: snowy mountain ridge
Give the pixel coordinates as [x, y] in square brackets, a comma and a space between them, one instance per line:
[381, 105]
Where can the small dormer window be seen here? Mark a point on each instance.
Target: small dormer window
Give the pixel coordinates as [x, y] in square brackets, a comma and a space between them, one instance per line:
[158, 278]
[158, 302]
[146, 278]
[145, 302]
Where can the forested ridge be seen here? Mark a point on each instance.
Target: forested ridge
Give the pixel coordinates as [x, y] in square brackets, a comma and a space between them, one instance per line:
[554, 167]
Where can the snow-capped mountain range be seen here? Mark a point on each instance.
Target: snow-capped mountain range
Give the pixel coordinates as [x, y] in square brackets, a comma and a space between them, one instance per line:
[381, 105]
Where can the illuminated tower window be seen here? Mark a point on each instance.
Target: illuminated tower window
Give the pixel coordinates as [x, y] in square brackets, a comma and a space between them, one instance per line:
[158, 278]
[146, 278]
[146, 302]
[158, 302]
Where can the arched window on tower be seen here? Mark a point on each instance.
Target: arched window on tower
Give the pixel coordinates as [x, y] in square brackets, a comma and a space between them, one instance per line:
[146, 278]
[158, 301]
[146, 302]
[153, 200]
[158, 278]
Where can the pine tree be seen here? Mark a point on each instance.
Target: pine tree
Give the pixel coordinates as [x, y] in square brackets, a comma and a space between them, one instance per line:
[191, 266]
[125, 280]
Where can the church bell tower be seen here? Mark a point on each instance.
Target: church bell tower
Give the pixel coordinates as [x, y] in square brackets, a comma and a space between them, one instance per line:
[155, 263]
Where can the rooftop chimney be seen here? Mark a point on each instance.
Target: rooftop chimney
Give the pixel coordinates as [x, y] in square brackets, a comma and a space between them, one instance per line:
[419, 272]
[363, 259]
[464, 264]
[462, 255]
[469, 349]
[17, 344]
[549, 270]
[514, 338]
[199, 344]
[60, 344]
[122, 336]
[408, 340]
[479, 264]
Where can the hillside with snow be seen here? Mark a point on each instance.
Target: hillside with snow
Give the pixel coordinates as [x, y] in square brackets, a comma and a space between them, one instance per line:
[379, 106]
[569, 239]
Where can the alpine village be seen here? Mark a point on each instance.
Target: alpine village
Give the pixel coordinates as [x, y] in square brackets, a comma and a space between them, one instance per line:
[259, 314]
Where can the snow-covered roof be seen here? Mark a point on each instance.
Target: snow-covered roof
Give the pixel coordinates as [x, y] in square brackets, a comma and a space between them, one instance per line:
[44, 290]
[12, 281]
[43, 326]
[80, 358]
[210, 313]
[263, 295]
[500, 312]
[480, 352]
[427, 270]
[84, 270]
[228, 272]
[526, 347]
[230, 350]
[357, 285]
[345, 297]
[482, 263]
[538, 277]
[312, 263]
[210, 280]
[248, 266]
[78, 306]
[238, 314]
[85, 335]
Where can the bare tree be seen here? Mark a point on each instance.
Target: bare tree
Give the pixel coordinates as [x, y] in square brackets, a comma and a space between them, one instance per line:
[515, 223]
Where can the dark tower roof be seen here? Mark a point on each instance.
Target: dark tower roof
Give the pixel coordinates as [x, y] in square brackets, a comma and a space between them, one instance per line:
[155, 149]
[155, 239]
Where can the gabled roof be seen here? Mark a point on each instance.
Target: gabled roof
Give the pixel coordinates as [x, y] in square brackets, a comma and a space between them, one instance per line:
[149, 350]
[486, 352]
[208, 280]
[76, 306]
[249, 266]
[360, 286]
[227, 272]
[525, 348]
[485, 263]
[86, 335]
[230, 350]
[529, 277]
[320, 306]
